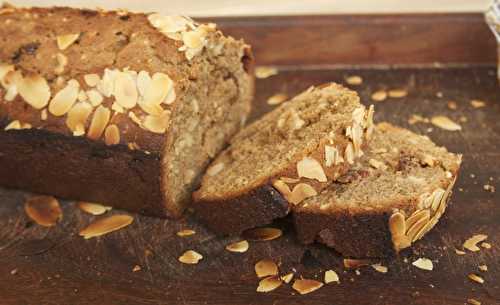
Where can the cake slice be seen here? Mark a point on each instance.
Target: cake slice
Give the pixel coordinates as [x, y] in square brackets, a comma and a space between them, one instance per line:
[306, 142]
[389, 199]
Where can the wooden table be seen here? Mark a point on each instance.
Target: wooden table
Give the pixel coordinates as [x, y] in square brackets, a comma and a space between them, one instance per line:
[436, 57]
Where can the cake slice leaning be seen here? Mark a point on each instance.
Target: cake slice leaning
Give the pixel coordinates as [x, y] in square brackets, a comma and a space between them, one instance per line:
[306, 143]
[391, 198]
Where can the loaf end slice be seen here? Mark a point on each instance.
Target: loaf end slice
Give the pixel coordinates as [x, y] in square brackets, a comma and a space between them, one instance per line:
[391, 198]
[286, 156]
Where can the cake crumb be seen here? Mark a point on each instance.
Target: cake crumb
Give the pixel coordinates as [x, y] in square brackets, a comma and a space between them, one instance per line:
[452, 105]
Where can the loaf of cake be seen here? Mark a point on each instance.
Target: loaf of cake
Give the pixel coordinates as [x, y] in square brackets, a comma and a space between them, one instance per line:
[119, 108]
[389, 199]
[289, 154]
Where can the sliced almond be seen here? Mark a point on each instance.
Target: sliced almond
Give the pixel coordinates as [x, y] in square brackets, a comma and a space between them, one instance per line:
[112, 135]
[136, 268]
[445, 123]
[310, 168]
[351, 263]
[35, 91]
[471, 243]
[91, 79]
[486, 245]
[473, 302]
[240, 247]
[4, 69]
[282, 187]
[44, 210]
[477, 103]
[277, 99]
[266, 267]
[62, 102]
[332, 156]
[265, 72]
[14, 125]
[65, 41]
[98, 124]
[185, 233]
[379, 96]
[424, 264]
[262, 234]
[215, 169]
[125, 90]
[287, 278]
[190, 257]
[459, 252]
[331, 276]
[106, 225]
[168, 24]
[483, 268]
[476, 278]
[62, 61]
[300, 192]
[159, 88]
[305, 286]
[95, 97]
[397, 225]
[152, 109]
[417, 215]
[380, 268]
[354, 80]
[93, 208]
[157, 124]
[269, 284]
[349, 153]
[398, 93]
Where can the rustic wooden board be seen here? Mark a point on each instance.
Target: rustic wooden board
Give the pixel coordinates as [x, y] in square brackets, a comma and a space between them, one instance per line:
[56, 266]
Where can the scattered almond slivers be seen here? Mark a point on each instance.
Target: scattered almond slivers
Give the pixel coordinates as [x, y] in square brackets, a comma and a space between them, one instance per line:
[262, 234]
[476, 278]
[331, 276]
[354, 80]
[185, 232]
[93, 208]
[44, 210]
[190, 257]
[477, 103]
[106, 225]
[397, 93]
[379, 96]
[445, 123]
[424, 264]
[483, 268]
[269, 284]
[311, 168]
[265, 72]
[277, 99]
[473, 302]
[266, 267]
[287, 278]
[305, 286]
[239, 247]
[350, 263]
[380, 268]
[65, 41]
[471, 243]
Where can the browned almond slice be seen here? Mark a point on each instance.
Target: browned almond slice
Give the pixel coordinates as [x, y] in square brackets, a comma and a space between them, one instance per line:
[112, 135]
[240, 247]
[379, 96]
[459, 252]
[99, 121]
[143, 82]
[483, 268]
[158, 90]
[289, 180]
[332, 156]
[64, 99]
[78, 114]
[35, 91]
[354, 80]
[190, 257]
[106, 225]
[136, 268]
[477, 103]
[287, 278]
[14, 125]
[186, 232]
[417, 215]
[471, 243]
[310, 168]
[424, 264]
[331, 276]
[300, 192]
[265, 72]
[44, 210]
[93, 208]
[486, 245]
[269, 284]
[277, 99]
[62, 61]
[350, 263]
[452, 105]
[91, 79]
[349, 153]
[262, 234]
[157, 124]
[397, 93]
[95, 97]
[445, 123]
[64, 41]
[473, 302]
[266, 267]
[416, 227]
[305, 286]
[380, 268]
[476, 278]
[125, 90]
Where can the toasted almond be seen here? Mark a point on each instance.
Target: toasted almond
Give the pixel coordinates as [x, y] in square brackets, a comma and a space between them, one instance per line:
[379, 96]
[136, 268]
[125, 90]
[62, 61]
[331, 276]
[477, 103]
[112, 135]
[305, 286]
[354, 80]
[185, 232]
[269, 284]
[44, 210]
[99, 121]
[459, 252]
[471, 243]
[416, 216]
[82, 96]
[452, 105]
[157, 124]
[91, 79]
[445, 123]
[351, 263]
[483, 268]
[310, 168]
[349, 153]
[266, 267]
[34, 90]
[398, 93]
[486, 245]
[289, 180]
[277, 99]
[473, 302]
[397, 224]
[287, 278]
[95, 97]
[143, 82]
[79, 130]
[93, 208]
[332, 156]
[476, 278]
[282, 187]
[424, 264]
[159, 89]
[106, 225]
[262, 234]
[265, 71]
[14, 125]
[190, 257]
[64, 41]
[380, 268]
[193, 39]
[215, 169]
[240, 247]
[152, 109]
[62, 102]
[300, 192]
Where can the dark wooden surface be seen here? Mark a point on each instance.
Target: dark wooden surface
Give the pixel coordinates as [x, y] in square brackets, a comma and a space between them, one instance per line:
[56, 266]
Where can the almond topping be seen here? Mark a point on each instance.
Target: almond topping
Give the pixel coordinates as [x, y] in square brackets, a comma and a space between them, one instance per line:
[473, 302]
[477, 103]
[483, 268]
[99, 121]
[354, 80]
[331, 276]
[44, 210]
[143, 82]
[112, 135]
[34, 90]
[157, 124]
[424, 264]
[215, 169]
[91, 79]
[125, 90]
[95, 97]
[310, 168]
[350, 263]
[266, 267]
[64, 41]
[106, 225]
[93, 208]
[379, 96]
[64, 100]
[380, 268]
[277, 99]
[445, 123]
[62, 61]
[476, 278]
[305, 286]
[289, 180]
[398, 93]
[262, 234]
[185, 232]
[265, 72]
[190, 257]
[486, 245]
[269, 284]
[349, 153]
[471, 243]
[332, 156]
[287, 278]
[240, 247]
[300, 192]
[78, 115]
[158, 90]
[14, 125]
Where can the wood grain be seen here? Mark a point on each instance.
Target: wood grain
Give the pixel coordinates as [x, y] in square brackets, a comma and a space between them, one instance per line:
[56, 266]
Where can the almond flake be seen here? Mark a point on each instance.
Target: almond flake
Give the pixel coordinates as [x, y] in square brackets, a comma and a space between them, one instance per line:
[349, 153]
[486, 245]
[262, 234]
[380, 268]
[398, 93]
[62, 102]
[62, 61]
[459, 252]
[354, 80]
[143, 82]
[305, 286]
[269, 284]
[112, 135]
[287, 278]
[34, 90]
[95, 97]
[168, 24]
[240, 247]
[185, 232]
[300, 192]
[477, 103]
[331, 276]
[158, 90]
[310, 168]
[215, 169]
[289, 180]
[424, 264]
[125, 90]
[277, 99]
[415, 118]
[98, 124]
[476, 278]
[471, 243]
[106, 225]
[332, 156]
[377, 164]
[445, 123]
[64, 41]
[350, 263]
[44, 210]
[157, 124]
[93, 208]
[14, 125]
[136, 268]
[473, 302]
[265, 72]
[190, 257]
[91, 79]
[266, 267]
[379, 96]
[483, 268]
